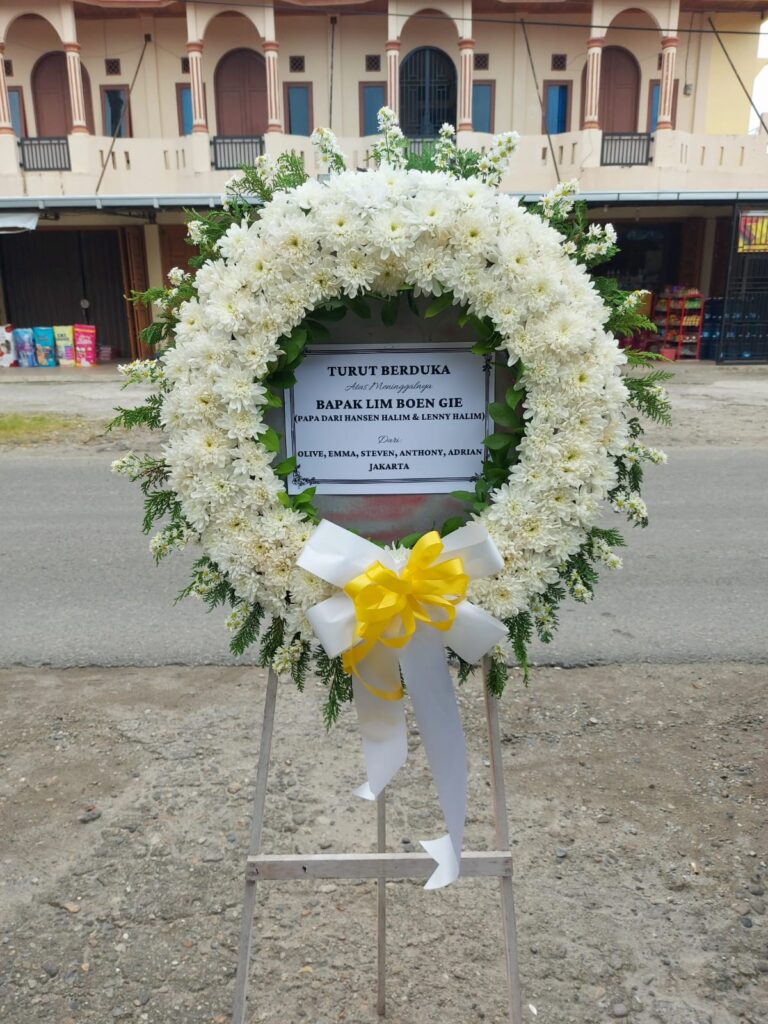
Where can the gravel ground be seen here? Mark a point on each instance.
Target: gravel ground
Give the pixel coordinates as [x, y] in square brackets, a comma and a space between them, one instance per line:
[637, 793]
[637, 805]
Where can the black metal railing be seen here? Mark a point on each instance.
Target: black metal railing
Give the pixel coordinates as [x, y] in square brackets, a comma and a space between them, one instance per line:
[626, 149]
[233, 151]
[50, 154]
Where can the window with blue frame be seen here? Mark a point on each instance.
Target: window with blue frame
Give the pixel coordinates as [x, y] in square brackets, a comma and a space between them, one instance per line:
[653, 108]
[184, 105]
[654, 101]
[373, 96]
[298, 106]
[16, 103]
[557, 102]
[114, 103]
[482, 106]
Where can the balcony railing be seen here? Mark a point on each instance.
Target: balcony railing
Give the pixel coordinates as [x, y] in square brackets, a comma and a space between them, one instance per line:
[233, 151]
[50, 154]
[421, 146]
[626, 149]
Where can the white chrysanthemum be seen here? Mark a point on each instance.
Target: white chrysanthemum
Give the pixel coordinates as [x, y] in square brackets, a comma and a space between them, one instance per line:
[381, 230]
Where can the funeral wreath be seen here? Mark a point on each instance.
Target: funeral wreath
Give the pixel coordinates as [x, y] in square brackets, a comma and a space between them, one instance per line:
[288, 256]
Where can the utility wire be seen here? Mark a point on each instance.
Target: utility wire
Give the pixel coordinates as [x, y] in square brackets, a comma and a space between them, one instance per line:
[539, 97]
[738, 76]
[119, 125]
[474, 19]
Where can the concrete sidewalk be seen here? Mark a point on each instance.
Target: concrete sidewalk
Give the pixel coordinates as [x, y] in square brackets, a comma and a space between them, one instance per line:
[92, 392]
[702, 390]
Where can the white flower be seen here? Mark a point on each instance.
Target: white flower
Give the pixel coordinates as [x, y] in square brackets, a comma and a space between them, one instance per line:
[383, 229]
[328, 149]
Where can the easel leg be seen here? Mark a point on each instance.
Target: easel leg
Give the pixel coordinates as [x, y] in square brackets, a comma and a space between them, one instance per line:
[249, 902]
[381, 892]
[498, 792]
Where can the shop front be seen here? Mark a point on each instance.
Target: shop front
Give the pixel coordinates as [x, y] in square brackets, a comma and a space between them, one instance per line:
[680, 256]
[75, 266]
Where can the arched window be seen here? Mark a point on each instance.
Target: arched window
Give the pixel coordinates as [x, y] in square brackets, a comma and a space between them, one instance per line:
[619, 90]
[427, 92]
[50, 96]
[240, 83]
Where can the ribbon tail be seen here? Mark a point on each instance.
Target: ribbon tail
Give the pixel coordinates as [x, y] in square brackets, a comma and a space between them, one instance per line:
[429, 684]
[382, 722]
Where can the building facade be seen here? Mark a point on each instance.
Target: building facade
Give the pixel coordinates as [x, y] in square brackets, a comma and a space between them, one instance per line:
[115, 115]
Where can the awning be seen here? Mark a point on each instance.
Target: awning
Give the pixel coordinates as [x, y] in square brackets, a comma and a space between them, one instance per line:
[18, 220]
[23, 205]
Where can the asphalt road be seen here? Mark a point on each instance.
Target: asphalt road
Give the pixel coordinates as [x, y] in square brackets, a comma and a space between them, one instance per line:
[78, 586]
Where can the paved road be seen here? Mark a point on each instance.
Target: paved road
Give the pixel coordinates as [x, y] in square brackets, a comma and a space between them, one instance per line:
[80, 588]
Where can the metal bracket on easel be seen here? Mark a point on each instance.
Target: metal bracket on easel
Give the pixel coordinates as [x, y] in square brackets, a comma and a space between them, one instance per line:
[381, 865]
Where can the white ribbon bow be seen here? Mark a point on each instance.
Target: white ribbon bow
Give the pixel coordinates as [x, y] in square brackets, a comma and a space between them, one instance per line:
[338, 556]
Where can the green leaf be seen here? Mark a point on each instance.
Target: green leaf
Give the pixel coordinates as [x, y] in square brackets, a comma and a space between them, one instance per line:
[389, 310]
[463, 495]
[285, 467]
[498, 442]
[503, 415]
[271, 440]
[514, 396]
[305, 498]
[282, 379]
[359, 306]
[273, 400]
[317, 331]
[293, 346]
[483, 327]
[440, 303]
[409, 541]
[481, 348]
[283, 498]
[332, 313]
[451, 524]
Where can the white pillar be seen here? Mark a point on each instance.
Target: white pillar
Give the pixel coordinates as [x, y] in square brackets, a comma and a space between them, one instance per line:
[274, 118]
[6, 125]
[466, 69]
[667, 89]
[592, 83]
[392, 48]
[76, 95]
[195, 54]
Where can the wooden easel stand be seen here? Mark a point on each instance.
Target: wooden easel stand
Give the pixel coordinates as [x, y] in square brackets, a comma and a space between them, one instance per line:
[381, 865]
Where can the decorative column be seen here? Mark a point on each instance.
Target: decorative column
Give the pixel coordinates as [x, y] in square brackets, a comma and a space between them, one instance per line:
[195, 54]
[592, 85]
[274, 120]
[6, 125]
[667, 89]
[392, 47]
[466, 69]
[76, 95]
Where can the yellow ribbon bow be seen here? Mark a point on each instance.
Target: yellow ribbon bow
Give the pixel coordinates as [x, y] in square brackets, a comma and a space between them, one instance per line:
[388, 605]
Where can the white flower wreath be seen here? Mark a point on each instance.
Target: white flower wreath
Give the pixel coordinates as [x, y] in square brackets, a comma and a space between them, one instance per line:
[378, 232]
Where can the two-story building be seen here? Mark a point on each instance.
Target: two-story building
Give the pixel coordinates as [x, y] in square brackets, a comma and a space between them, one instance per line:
[116, 115]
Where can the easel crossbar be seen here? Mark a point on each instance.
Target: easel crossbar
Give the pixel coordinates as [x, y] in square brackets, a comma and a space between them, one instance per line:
[291, 867]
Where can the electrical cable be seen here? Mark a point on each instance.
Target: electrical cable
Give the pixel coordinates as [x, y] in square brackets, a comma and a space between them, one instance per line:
[541, 102]
[119, 125]
[475, 20]
[738, 76]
